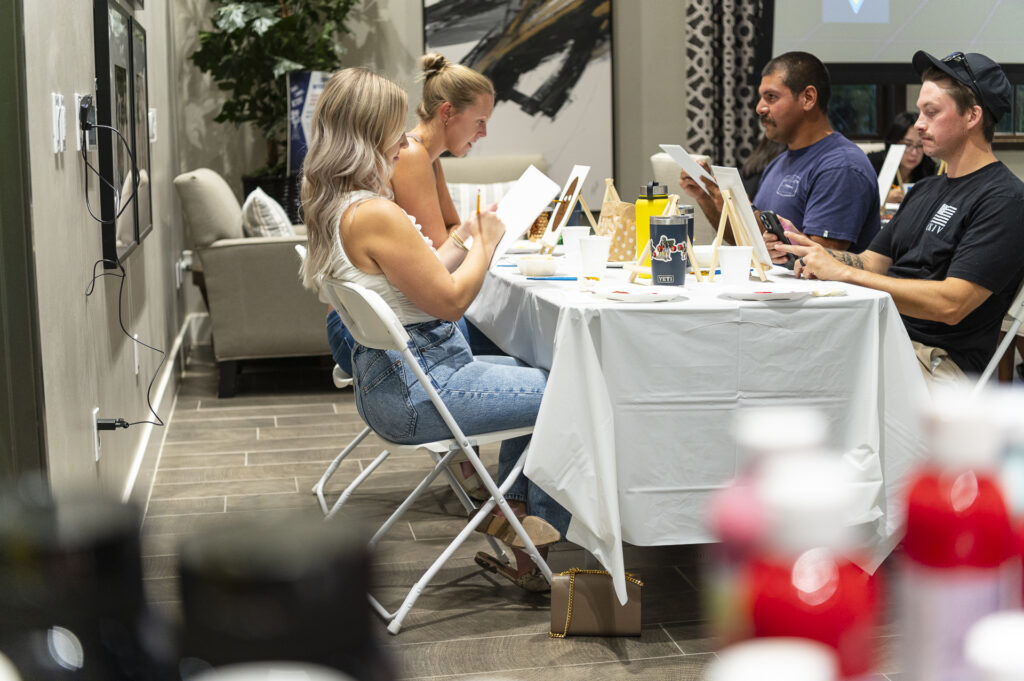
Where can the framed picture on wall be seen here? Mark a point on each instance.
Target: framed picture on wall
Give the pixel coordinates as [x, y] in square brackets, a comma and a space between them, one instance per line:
[140, 130]
[551, 64]
[122, 117]
[113, 112]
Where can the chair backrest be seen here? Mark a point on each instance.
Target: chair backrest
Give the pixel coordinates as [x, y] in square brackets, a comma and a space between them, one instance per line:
[1015, 314]
[490, 169]
[209, 206]
[1016, 311]
[366, 316]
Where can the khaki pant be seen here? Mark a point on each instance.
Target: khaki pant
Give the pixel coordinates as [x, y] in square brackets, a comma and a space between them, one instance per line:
[937, 366]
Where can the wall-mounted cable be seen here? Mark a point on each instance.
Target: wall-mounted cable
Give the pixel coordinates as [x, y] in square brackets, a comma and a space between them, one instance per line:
[85, 124]
[121, 274]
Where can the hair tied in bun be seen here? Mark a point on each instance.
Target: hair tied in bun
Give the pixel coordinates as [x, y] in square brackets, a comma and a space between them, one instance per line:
[433, 64]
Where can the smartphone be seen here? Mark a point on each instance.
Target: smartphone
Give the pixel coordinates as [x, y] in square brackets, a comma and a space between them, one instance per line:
[771, 223]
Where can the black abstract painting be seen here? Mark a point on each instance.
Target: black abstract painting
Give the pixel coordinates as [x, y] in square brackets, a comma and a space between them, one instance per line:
[550, 61]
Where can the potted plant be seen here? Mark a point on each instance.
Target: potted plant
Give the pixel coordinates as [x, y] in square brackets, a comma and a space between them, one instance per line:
[249, 51]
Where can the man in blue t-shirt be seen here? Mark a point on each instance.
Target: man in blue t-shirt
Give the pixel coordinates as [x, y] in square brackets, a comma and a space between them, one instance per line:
[823, 183]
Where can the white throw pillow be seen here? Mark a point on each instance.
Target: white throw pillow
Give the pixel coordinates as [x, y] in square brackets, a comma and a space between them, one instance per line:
[464, 196]
[263, 216]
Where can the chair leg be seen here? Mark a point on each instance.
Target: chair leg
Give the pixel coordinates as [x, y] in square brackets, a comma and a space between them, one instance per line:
[497, 496]
[1006, 362]
[468, 504]
[352, 486]
[318, 488]
[227, 385]
[409, 501]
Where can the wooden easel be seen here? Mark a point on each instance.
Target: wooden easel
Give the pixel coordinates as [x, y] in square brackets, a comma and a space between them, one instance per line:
[731, 215]
[548, 246]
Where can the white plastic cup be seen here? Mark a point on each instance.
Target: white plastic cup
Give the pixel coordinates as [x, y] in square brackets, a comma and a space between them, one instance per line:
[735, 263]
[570, 239]
[593, 258]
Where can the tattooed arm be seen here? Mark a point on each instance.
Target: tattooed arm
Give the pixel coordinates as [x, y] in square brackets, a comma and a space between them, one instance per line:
[847, 258]
[947, 301]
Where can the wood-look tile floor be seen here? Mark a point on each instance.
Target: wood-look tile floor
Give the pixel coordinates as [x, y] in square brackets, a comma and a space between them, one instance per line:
[259, 453]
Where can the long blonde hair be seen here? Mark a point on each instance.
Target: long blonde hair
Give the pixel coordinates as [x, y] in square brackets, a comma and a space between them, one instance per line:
[444, 81]
[358, 117]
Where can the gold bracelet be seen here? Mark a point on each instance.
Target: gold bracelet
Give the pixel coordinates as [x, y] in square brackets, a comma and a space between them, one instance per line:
[458, 241]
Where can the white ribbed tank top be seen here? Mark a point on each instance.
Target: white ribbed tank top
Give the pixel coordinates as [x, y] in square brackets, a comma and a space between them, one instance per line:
[341, 267]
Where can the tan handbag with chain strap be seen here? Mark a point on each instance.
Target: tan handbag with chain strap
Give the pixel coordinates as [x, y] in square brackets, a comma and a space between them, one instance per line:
[583, 603]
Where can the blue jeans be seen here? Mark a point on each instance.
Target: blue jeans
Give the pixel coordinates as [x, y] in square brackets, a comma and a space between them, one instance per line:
[483, 394]
[341, 341]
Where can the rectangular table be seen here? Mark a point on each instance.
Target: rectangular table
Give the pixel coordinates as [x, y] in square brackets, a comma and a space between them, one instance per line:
[634, 431]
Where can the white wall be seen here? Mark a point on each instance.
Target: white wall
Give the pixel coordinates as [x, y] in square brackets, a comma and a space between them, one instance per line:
[86, 359]
[649, 62]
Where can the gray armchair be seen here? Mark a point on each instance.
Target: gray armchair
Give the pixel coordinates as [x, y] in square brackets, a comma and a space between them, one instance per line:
[258, 307]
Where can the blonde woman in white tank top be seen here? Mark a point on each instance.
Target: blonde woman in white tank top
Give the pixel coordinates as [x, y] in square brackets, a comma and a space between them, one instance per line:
[355, 232]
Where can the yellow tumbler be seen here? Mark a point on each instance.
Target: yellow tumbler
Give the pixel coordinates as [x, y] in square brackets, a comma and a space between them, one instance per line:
[652, 200]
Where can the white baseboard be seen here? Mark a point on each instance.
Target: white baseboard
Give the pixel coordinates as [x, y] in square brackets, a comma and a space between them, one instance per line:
[139, 484]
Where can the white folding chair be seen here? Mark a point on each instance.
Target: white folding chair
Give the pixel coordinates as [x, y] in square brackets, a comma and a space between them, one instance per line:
[374, 325]
[1015, 316]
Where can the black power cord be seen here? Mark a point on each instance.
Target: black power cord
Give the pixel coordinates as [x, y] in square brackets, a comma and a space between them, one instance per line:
[85, 124]
[113, 424]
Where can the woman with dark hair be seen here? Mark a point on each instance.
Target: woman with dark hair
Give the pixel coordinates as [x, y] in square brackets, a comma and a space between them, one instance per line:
[914, 165]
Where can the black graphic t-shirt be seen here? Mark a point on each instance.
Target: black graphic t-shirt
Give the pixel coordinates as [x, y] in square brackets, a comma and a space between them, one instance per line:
[971, 228]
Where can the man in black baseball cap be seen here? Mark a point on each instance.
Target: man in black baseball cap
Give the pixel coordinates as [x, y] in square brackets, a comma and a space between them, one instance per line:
[951, 257]
[984, 77]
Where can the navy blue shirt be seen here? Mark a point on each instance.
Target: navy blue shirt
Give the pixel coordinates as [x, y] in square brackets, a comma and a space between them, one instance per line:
[828, 189]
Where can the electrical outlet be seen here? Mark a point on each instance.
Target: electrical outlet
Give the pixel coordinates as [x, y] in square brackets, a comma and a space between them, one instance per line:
[90, 137]
[95, 434]
[59, 124]
[183, 265]
[136, 346]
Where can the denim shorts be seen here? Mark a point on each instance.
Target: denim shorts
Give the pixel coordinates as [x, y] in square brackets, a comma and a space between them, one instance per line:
[483, 394]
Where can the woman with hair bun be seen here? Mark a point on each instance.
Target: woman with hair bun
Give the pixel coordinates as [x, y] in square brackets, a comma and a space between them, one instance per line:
[357, 233]
[457, 102]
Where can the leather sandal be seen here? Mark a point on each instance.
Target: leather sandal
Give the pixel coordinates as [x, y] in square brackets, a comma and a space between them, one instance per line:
[530, 581]
[540, 531]
[472, 485]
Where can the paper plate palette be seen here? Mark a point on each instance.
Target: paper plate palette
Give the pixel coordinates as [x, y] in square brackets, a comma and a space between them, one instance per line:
[752, 294]
[631, 293]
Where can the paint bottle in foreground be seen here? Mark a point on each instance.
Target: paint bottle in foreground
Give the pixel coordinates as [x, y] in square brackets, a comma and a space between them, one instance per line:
[960, 553]
[802, 582]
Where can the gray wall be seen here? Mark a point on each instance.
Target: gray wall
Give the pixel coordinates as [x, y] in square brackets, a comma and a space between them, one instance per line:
[649, 70]
[87, 362]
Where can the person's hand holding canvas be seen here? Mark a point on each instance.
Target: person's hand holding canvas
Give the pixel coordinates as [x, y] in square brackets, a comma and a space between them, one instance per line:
[705, 193]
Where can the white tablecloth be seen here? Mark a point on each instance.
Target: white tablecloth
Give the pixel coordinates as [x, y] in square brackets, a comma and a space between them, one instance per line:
[634, 431]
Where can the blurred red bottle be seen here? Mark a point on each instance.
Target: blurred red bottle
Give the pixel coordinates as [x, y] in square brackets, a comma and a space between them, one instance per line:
[802, 582]
[959, 542]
